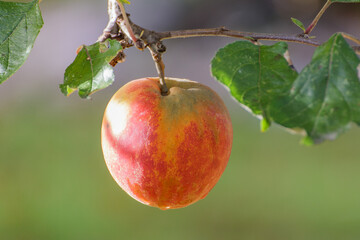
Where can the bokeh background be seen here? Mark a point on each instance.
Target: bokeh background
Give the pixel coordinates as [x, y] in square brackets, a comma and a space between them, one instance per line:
[53, 180]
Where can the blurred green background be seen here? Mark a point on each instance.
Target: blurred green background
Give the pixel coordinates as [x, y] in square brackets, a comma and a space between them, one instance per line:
[53, 180]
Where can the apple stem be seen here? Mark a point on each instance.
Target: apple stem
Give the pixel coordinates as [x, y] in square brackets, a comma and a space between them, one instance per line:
[160, 67]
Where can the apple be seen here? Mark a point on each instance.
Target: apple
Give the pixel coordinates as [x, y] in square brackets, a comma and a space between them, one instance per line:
[166, 151]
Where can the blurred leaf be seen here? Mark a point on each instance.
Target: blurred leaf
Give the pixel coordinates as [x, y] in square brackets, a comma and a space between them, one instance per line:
[325, 97]
[298, 23]
[20, 23]
[255, 75]
[307, 141]
[91, 71]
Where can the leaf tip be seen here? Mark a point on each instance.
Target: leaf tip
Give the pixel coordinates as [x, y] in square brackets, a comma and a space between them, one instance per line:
[307, 141]
[264, 125]
[66, 89]
[79, 49]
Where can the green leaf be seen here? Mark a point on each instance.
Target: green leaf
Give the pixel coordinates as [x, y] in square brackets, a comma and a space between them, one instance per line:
[298, 23]
[325, 98]
[255, 75]
[264, 125]
[20, 23]
[346, 1]
[307, 141]
[91, 70]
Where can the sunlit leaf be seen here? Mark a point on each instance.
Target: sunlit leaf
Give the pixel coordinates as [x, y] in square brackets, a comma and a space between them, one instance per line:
[264, 125]
[91, 71]
[20, 24]
[255, 75]
[325, 98]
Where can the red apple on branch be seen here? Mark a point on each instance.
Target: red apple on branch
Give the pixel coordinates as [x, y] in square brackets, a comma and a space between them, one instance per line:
[166, 151]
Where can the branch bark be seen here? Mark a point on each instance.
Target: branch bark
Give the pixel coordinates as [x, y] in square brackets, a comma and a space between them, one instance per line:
[120, 27]
[112, 29]
[223, 32]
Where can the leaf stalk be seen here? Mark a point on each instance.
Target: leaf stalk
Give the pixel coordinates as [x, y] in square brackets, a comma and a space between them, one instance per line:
[317, 18]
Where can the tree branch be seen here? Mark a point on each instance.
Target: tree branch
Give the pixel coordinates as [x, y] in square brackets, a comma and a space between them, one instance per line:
[120, 27]
[112, 29]
[221, 31]
[126, 28]
[351, 38]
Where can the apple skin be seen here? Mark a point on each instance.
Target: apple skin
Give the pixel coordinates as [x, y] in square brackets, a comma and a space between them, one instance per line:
[166, 151]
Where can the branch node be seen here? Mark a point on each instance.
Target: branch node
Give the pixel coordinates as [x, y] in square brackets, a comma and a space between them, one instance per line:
[119, 58]
[139, 44]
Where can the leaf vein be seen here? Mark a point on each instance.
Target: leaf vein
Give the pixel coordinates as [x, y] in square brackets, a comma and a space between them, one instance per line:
[24, 15]
[326, 88]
